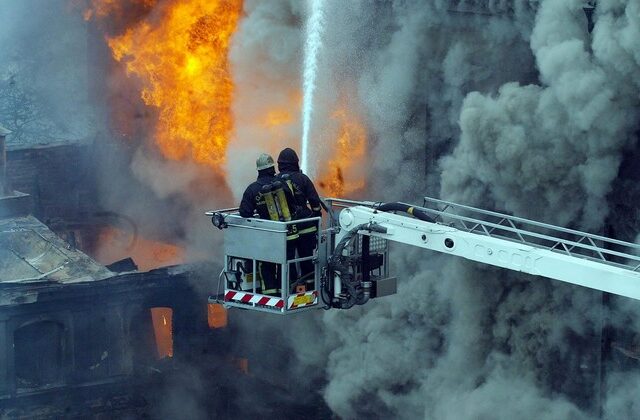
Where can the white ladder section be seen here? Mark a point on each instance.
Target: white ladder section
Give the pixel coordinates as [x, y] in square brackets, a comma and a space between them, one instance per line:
[580, 258]
[571, 242]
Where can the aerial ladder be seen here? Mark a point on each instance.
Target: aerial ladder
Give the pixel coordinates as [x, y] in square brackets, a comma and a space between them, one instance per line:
[352, 257]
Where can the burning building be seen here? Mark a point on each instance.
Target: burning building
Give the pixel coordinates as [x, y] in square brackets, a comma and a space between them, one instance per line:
[77, 338]
[527, 107]
[123, 337]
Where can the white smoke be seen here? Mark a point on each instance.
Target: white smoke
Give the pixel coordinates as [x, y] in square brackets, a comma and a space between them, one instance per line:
[265, 56]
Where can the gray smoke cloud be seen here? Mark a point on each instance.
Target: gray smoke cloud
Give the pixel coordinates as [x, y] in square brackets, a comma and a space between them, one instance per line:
[502, 105]
[44, 96]
[551, 150]
[507, 105]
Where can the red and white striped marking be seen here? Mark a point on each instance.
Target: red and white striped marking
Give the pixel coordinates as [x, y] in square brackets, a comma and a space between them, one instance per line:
[242, 297]
[302, 299]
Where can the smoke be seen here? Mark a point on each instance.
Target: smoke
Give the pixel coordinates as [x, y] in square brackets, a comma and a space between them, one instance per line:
[59, 83]
[550, 150]
[43, 74]
[265, 57]
[506, 105]
[413, 79]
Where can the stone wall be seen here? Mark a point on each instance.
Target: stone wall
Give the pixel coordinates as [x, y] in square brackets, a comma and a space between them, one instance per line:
[90, 350]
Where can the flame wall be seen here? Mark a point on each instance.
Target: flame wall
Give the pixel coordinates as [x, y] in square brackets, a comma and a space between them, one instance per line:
[180, 55]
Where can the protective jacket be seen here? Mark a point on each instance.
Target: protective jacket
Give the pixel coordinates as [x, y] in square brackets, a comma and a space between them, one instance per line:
[305, 195]
[253, 200]
[303, 189]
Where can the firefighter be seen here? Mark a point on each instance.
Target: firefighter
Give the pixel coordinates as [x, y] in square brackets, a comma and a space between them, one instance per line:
[307, 205]
[262, 196]
[252, 199]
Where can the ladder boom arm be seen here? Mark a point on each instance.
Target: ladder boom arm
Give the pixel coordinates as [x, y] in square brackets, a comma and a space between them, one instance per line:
[495, 251]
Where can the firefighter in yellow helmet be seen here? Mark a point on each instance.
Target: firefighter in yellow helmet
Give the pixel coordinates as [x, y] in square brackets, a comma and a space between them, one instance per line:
[271, 199]
[252, 199]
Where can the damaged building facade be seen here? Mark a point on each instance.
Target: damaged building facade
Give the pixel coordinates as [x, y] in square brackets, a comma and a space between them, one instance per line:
[80, 339]
[77, 338]
[74, 337]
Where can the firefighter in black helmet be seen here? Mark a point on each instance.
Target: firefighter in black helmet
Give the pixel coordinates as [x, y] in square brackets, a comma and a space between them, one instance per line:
[262, 196]
[307, 205]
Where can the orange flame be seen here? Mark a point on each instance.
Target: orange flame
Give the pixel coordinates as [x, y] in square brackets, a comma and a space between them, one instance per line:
[216, 316]
[162, 319]
[181, 59]
[344, 172]
[179, 53]
[277, 117]
[115, 244]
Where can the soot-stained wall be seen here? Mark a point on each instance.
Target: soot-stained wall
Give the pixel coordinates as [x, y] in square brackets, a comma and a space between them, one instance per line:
[59, 178]
[91, 347]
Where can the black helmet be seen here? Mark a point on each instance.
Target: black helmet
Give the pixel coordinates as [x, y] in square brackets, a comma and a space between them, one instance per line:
[288, 155]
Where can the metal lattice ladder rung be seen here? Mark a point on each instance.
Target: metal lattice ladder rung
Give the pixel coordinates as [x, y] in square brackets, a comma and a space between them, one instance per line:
[536, 234]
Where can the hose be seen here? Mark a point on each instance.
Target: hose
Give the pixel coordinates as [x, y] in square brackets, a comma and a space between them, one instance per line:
[337, 252]
[325, 293]
[414, 211]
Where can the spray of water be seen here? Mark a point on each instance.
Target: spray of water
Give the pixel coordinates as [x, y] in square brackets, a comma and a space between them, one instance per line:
[311, 49]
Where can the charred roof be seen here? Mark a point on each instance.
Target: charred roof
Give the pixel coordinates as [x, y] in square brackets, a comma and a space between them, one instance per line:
[31, 253]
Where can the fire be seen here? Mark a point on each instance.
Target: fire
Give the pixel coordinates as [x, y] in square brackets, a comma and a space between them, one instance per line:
[343, 173]
[178, 51]
[216, 316]
[181, 60]
[277, 117]
[241, 363]
[115, 244]
[163, 331]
